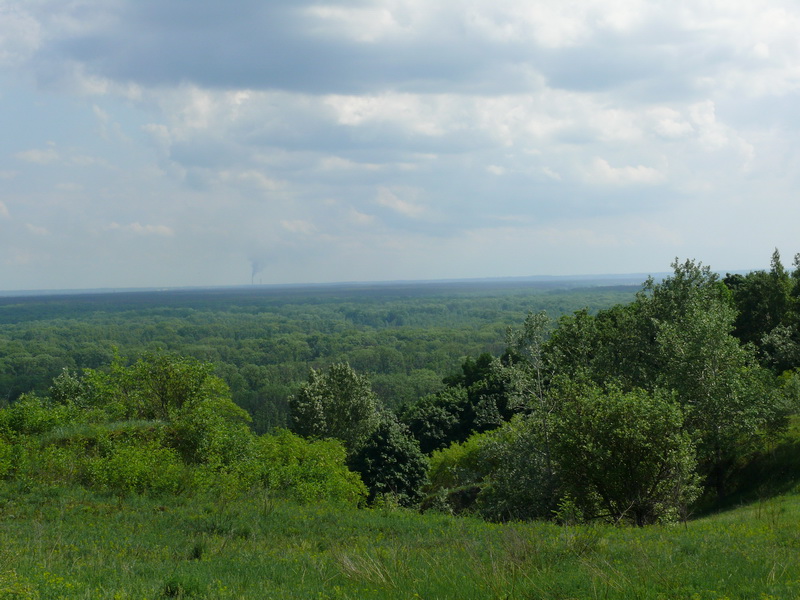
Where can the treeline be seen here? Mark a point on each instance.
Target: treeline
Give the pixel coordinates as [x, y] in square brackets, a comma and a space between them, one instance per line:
[263, 342]
[627, 415]
[630, 414]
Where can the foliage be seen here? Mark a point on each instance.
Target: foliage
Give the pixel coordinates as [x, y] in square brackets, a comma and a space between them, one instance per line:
[202, 441]
[677, 336]
[263, 340]
[338, 404]
[499, 474]
[390, 463]
[134, 466]
[437, 420]
[305, 471]
[626, 455]
[5, 458]
[524, 481]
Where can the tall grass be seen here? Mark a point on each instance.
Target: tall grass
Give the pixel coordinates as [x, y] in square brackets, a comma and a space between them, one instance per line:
[71, 543]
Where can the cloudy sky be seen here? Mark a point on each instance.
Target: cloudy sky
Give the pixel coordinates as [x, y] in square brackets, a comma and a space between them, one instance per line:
[201, 142]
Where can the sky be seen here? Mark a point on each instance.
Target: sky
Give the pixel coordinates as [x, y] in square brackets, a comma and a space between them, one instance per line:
[171, 143]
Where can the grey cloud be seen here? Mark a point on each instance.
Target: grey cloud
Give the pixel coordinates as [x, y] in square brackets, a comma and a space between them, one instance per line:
[275, 45]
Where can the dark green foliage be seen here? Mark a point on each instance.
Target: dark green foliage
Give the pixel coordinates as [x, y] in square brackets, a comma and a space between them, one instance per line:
[391, 464]
[437, 420]
[523, 482]
[475, 400]
[677, 336]
[768, 313]
[625, 456]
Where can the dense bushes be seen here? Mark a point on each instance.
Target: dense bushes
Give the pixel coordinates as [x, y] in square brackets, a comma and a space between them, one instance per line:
[164, 424]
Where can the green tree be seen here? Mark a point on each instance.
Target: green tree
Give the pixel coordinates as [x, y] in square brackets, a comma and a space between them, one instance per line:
[390, 462]
[626, 455]
[716, 379]
[521, 481]
[338, 404]
[437, 420]
[763, 301]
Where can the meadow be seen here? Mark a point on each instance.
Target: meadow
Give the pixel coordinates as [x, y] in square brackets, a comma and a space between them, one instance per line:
[71, 543]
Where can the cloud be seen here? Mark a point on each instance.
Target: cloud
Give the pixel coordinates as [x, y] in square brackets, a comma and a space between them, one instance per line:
[302, 227]
[390, 199]
[41, 157]
[601, 171]
[20, 34]
[137, 228]
[4, 211]
[343, 136]
[37, 230]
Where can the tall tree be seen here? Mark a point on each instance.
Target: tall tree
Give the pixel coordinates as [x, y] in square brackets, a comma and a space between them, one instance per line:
[337, 404]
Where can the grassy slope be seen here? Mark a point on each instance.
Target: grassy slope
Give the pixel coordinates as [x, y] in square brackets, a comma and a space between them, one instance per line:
[69, 543]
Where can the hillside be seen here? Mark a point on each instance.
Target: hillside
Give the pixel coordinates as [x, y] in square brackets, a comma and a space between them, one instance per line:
[69, 543]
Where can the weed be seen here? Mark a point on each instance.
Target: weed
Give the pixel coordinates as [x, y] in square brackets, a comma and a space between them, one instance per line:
[182, 586]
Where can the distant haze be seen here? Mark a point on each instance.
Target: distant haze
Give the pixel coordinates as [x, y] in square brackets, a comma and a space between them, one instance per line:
[149, 143]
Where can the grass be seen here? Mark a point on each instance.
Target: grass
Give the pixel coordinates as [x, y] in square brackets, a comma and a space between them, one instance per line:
[71, 543]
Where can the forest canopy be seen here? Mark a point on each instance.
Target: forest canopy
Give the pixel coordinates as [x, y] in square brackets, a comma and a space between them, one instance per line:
[631, 413]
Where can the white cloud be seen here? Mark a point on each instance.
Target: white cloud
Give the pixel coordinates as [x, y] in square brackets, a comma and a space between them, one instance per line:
[20, 34]
[362, 219]
[299, 226]
[669, 123]
[4, 210]
[391, 199]
[137, 228]
[41, 157]
[602, 172]
[37, 230]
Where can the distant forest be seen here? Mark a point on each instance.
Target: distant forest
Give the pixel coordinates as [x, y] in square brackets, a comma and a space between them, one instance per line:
[263, 341]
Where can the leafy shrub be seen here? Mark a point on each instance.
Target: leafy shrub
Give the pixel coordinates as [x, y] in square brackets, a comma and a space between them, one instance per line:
[501, 474]
[627, 455]
[338, 404]
[523, 482]
[31, 415]
[457, 474]
[5, 458]
[211, 432]
[306, 471]
[135, 466]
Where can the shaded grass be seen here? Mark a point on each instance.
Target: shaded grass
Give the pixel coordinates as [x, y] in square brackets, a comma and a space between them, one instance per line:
[71, 543]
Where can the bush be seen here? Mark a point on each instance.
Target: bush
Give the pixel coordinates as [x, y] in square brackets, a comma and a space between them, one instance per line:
[523, 482]
[6, 456]
[626, 456]
[306, 471]
[31, 415]
[136, 466]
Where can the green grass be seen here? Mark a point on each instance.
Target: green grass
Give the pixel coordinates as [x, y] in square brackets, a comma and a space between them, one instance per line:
[71, 543]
